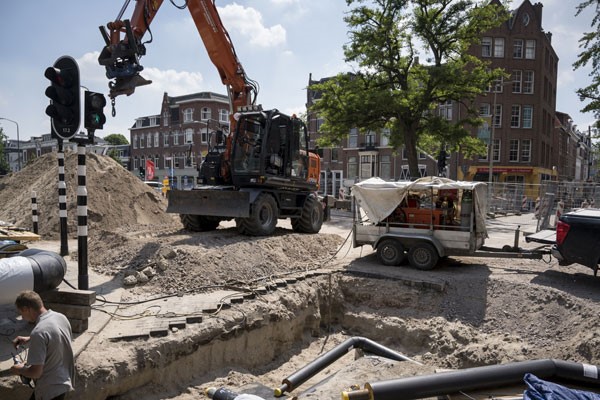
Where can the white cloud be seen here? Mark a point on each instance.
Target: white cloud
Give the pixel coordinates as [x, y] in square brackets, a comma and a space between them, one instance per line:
[284, 2]
[249, 23]
[174, 82]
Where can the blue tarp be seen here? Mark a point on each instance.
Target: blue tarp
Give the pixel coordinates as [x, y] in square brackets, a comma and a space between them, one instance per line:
[538, 389]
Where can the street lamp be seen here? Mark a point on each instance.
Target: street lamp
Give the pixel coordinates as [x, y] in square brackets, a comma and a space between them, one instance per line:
[18, 142]
[497, 86]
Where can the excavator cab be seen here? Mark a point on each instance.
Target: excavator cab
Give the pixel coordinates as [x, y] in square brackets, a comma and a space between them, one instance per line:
[270, 148]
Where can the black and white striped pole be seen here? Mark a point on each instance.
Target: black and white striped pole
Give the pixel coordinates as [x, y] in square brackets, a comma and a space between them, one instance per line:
[34, 212]
[62, 201]
[82, 214]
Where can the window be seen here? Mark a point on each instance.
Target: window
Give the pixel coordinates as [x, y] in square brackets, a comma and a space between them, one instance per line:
[485, 109]
[142, 140]
[530, 49]
[353, 139]
[496, 150]
[528, 82]
[204, 135]
[527, 116]
[153, 121]
[148, 140]
[517, 79]
[515, 116]
[385, 137]
[513, 151]
[518, 48]
[370, 139]
[206, 113]
[445, 110]
[498, 116]
[486, 47]
[334, 153]
[166, 118]
[497, 86]
[165, 139]
[175, 138]
[526, 150]
[320, 121]
[499, 47]
[223, 116]
[188, 115]
[189, 135]
[368, 166]
[135, 141]
[156, 139]
[352, 167]
[385, 169]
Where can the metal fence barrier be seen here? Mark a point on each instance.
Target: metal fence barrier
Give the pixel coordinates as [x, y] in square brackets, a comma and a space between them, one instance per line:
[548, 200]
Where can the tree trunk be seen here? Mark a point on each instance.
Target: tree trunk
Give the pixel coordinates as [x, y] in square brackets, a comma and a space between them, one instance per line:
[410, 141]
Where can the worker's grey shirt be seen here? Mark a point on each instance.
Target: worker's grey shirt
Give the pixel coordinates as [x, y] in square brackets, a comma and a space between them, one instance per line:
[50, 346]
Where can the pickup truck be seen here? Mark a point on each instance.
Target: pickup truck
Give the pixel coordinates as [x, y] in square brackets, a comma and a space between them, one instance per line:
[578, 238]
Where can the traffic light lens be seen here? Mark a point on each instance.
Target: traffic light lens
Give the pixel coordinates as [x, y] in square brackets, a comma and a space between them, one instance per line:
[94, 114]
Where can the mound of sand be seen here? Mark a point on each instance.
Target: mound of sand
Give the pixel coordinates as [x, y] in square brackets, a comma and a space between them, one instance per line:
[116, 197]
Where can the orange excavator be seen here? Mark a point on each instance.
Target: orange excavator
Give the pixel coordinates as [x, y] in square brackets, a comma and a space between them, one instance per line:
[258, 173]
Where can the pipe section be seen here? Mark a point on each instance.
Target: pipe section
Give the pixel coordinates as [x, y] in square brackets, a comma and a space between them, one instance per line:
[474, 379]
[299, 377]
[31, 269]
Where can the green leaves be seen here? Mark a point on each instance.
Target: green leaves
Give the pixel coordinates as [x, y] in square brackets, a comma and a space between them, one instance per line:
[410, 57]
[590, 42]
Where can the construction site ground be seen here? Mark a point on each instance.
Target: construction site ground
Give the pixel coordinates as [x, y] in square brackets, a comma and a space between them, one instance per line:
[224, 310]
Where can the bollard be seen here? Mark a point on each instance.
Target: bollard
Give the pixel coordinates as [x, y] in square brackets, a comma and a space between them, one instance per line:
[34, 215]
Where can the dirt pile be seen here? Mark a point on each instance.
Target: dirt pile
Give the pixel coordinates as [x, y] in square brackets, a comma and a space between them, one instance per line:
[116, 197]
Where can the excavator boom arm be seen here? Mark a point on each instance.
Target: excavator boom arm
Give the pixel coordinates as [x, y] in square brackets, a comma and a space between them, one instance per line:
[124, 48]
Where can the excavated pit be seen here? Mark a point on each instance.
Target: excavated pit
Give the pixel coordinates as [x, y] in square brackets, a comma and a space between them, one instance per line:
[262, 341]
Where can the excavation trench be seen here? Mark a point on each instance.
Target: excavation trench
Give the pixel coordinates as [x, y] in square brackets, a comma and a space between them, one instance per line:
[261, 342]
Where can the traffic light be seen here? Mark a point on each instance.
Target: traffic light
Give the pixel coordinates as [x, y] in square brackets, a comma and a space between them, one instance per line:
[64, 108]
[142, 172]
[93, 106]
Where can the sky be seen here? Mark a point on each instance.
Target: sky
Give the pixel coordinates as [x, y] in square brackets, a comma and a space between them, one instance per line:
[279, 43]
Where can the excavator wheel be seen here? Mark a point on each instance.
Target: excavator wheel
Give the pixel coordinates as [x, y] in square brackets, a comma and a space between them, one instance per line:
[199, 223]
[311, 219]
[263, 218]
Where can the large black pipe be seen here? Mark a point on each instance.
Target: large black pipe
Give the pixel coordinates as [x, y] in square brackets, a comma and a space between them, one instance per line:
[477, 378]
[357, 342]
[31, 269]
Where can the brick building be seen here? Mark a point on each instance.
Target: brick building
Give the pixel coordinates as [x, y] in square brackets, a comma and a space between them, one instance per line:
[521, 109]
[178, 137]
[531, 141]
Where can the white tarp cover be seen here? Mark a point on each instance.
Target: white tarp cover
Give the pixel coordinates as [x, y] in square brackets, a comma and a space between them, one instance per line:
[378, 198]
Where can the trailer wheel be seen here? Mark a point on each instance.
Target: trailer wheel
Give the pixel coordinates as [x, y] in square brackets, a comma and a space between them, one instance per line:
[263, 218]
[390, 252]
[423, 256]
[311, 219]
[199, 223]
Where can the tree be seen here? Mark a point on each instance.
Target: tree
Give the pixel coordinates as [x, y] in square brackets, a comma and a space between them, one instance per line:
[590, 41]
[392, 89]
[4, 166]
[116, 139]
[114, 154]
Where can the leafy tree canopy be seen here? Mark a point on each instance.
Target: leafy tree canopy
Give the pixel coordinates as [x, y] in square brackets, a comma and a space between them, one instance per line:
[116, 139]
[590, 42]
[392, 88]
